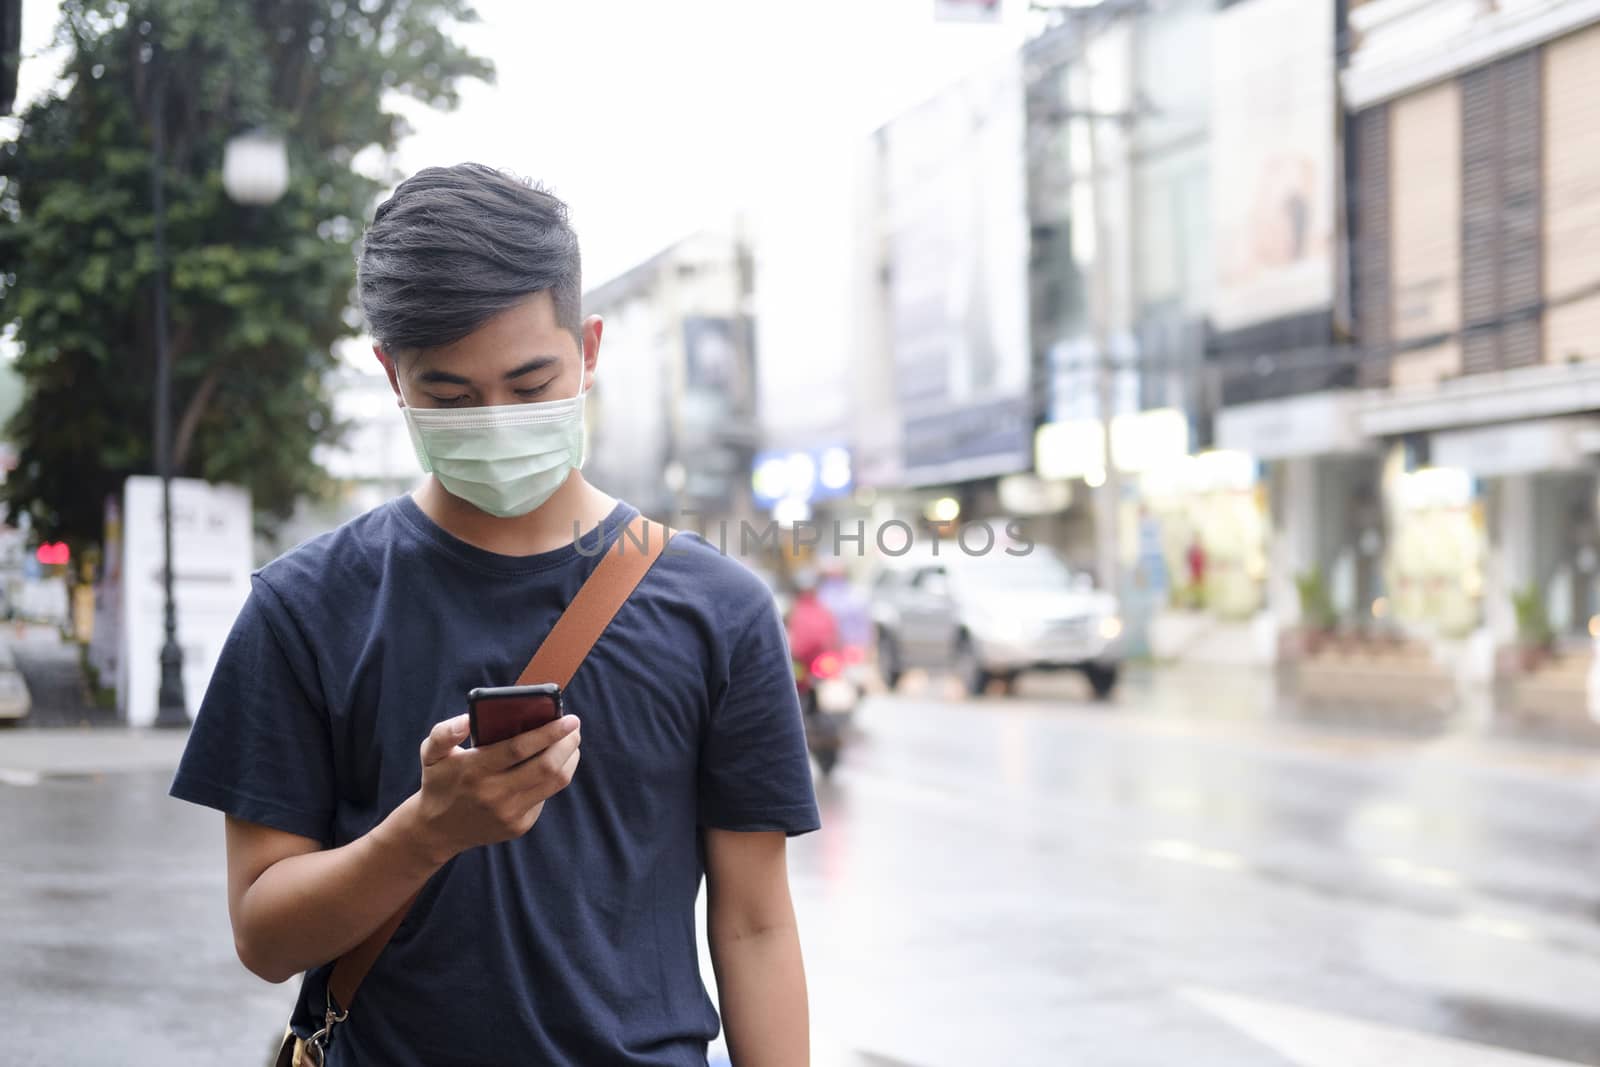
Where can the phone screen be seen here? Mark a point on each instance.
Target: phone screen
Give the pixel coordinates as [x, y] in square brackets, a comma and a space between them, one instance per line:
[496, 715]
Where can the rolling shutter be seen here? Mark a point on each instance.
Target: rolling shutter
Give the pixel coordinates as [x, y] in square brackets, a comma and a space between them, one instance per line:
[1500, 233]
[1373, 304]
[1520, 213]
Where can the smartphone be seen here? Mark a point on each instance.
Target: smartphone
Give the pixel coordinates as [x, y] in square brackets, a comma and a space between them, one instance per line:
[497, 713]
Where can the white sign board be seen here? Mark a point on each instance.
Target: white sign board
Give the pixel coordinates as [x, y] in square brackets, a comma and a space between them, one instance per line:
[1515, 447]
[1312, 424]
[1273, 120]
[211, 549]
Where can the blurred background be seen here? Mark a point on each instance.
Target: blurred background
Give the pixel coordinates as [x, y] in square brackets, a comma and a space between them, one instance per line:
[1272, 325]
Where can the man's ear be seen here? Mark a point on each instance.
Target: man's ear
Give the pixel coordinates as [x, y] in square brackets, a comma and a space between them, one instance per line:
[592, 329]
[390, 369]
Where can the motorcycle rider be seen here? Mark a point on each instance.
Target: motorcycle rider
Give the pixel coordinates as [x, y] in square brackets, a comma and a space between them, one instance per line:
[811, 626]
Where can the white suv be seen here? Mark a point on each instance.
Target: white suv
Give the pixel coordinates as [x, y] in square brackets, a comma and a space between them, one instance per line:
[990, 617]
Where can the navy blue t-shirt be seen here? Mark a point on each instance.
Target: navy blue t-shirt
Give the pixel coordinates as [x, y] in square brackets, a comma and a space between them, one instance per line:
[574, 944]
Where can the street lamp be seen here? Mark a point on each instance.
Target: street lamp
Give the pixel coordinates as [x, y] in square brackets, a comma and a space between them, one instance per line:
[255, 170]
[170, 705]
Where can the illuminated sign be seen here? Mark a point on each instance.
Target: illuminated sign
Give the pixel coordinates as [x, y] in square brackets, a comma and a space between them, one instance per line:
[803, 475]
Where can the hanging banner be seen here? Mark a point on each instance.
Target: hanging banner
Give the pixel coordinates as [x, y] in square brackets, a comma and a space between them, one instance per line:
[1272, 159]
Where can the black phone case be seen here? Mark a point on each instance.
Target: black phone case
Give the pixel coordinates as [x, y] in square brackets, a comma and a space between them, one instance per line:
[491, 695]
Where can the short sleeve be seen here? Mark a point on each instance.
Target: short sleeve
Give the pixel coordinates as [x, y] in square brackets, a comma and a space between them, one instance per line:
[755, 773]
[260, 748]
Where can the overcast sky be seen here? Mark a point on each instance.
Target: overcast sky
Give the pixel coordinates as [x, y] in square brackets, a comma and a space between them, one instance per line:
[652, 116]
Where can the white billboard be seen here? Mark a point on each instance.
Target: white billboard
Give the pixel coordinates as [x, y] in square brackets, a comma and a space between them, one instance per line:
[957, 243]
[212, 561]
[1272, 159]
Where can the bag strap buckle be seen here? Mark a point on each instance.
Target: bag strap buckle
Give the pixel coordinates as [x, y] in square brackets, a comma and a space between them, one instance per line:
[316, 1045]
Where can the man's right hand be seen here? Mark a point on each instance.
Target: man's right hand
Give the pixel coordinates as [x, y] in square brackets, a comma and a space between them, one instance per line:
[480, 796]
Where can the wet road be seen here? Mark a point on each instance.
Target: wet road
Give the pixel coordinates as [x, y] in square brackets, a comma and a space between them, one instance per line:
[1031, 881]
[1017, 882]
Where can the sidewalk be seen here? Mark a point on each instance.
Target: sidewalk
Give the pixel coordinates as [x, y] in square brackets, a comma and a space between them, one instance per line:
[1248, 704]
[27, 755]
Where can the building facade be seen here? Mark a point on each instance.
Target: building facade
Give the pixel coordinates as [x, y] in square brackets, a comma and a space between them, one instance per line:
[1476, 154]
[947, 406]
[672, 417]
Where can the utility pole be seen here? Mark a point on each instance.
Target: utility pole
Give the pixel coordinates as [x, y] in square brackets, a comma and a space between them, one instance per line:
[1108, 501]
[1108, 494]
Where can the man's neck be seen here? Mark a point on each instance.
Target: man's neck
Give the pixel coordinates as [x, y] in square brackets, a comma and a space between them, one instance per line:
[576, 506]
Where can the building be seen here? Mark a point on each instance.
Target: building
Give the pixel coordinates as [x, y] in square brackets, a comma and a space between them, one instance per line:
[1475, 137]
[1122, 279]
[672, 424]
[1281, 344]
[946, 406]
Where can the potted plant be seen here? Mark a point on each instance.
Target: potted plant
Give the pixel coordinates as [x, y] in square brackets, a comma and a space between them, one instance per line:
[1317, 617]
[1534, 635]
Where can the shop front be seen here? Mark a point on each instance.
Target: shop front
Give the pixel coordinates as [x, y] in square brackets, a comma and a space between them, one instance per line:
[1324, 532]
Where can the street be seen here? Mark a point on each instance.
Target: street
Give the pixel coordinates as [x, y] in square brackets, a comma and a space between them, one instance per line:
[1037, 880]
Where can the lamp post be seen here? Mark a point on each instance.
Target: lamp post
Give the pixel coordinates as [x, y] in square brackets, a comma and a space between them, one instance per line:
[171, 710]
[255, 171]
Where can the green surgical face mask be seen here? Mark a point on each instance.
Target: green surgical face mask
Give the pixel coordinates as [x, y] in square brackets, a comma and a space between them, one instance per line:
[506, 459]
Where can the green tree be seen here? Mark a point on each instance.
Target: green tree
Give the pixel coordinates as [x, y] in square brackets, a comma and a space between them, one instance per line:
[258, 296]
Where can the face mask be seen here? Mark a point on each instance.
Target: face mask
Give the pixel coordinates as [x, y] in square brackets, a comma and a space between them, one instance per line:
[506, 459]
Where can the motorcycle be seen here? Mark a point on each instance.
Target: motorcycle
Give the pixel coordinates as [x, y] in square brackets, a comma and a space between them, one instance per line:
[829, 692]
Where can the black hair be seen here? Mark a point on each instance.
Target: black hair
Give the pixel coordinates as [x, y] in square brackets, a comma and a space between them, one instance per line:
[456, 246]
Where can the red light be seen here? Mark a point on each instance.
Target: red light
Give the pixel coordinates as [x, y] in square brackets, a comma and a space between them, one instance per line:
[53, 554]
[827, 665]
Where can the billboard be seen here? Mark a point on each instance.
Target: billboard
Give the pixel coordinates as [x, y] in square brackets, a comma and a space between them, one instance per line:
[956, 232]
[1273, 159]
[718, 406]
[212, 554]
[717, 372]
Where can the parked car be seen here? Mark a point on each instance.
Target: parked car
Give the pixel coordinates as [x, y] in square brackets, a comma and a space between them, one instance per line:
[15, 702]
[991, 617]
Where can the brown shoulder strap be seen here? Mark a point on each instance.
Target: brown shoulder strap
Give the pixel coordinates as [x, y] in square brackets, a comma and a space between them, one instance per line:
[557, 659]
[599, 599]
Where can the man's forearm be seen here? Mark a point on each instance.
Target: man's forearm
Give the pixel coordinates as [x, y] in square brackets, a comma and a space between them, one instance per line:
[309, 909]
[761, 984]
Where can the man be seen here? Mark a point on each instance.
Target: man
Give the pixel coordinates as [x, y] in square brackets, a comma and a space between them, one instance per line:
[555, 922]
[810, 626]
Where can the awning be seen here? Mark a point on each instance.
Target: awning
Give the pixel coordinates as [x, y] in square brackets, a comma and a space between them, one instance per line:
[1315, 424]
[1501, 396]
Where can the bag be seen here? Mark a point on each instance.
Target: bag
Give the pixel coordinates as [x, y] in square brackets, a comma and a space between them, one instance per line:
[557, 660]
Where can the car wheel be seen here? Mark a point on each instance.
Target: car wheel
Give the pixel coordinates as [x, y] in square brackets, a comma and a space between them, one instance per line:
[889, 665]
[1102, 680]
[967, 669]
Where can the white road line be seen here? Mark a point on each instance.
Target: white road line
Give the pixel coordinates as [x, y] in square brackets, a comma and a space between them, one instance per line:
[1189, 852]
[1321, 1039]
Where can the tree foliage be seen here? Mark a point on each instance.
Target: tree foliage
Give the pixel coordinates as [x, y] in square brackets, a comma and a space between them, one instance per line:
[257, 295]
